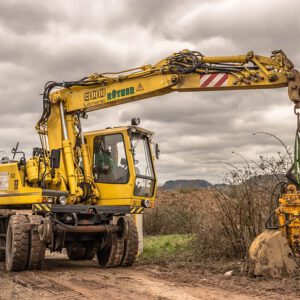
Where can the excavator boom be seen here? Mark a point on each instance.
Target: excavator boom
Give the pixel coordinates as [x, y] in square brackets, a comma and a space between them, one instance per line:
[185, 71]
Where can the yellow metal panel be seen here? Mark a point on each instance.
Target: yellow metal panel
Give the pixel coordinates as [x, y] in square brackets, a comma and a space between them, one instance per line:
[15, 192]
[89, 98]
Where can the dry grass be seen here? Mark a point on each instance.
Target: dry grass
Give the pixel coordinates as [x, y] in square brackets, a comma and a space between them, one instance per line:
[176, 213]
[224, 222]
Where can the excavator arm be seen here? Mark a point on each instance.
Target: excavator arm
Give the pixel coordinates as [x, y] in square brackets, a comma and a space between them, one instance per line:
[185, 71]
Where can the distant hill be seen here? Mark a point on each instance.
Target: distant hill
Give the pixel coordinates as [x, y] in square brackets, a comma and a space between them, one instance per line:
[184, 183]
[258, 180]
[267, 178]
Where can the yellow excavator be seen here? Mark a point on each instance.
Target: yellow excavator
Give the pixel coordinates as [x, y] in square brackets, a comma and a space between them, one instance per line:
[81, 191]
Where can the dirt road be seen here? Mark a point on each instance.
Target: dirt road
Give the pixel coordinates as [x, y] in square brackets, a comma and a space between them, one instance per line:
[63, 279]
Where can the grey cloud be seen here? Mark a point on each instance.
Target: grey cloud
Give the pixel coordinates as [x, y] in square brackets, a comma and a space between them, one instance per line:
[152, 12]
[245, 25]
[24, 17]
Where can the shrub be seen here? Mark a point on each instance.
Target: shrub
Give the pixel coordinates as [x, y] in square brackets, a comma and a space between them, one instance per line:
[224, 221]
[175, 213]
[241, 210]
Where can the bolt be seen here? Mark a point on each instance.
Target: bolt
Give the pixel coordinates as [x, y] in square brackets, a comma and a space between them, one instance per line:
[174, 79]
[272, 77]
[291, 75]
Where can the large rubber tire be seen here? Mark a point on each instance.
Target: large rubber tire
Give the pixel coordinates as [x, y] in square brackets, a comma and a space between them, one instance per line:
[2, 255]
[37, 248]
[17, 243]
[110, 255]
[131, 244]
[3, 216]
[81, 251]
[2, 251]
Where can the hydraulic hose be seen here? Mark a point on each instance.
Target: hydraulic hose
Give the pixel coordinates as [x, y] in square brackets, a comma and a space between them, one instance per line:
[277, 227]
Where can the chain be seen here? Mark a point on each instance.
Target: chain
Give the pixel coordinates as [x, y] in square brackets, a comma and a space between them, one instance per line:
[297, 147]
[297, 113]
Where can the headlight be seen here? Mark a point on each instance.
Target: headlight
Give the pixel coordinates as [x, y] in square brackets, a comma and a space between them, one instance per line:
[63, 200]
[146, 203]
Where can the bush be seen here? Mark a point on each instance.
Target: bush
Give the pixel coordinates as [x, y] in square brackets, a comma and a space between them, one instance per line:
[224, 221]
[175, 213]
[241, 210]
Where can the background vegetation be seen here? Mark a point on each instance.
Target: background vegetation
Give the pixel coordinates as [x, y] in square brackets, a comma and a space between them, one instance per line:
[221, 222]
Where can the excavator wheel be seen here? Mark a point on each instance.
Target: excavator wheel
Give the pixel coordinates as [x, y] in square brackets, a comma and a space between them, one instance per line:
[2, 251]
[2, 237]
[111, 253]
[90, 252]
[81, 251]
[37, 248]
[271, 256]
[131, 243]
[17, 243]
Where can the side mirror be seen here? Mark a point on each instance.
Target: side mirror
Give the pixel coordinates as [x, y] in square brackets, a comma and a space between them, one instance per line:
[157, 151]
[55, 159]
[15, 151]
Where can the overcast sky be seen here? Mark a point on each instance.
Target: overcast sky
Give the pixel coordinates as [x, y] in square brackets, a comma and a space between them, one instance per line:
[66, 40]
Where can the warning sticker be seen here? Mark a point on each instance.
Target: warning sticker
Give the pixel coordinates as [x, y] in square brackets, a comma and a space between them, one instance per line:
[139, 88]
[4, 180]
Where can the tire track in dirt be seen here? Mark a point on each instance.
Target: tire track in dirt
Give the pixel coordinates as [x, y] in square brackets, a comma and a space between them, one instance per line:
[64, 279]
[34, 286]
[82, 282]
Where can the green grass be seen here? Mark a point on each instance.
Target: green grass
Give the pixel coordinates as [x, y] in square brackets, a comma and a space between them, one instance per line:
[163, 247]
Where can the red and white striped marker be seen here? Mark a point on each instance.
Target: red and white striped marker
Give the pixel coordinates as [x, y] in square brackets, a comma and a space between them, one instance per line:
[213, 80]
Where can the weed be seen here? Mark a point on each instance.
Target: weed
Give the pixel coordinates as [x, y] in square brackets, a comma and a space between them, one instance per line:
[165, 247]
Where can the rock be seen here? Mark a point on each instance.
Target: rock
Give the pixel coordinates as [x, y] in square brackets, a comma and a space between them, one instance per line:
[271, 256]
[228, 273]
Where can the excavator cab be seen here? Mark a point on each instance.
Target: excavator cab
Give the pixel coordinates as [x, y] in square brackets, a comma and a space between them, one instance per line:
[123, 165]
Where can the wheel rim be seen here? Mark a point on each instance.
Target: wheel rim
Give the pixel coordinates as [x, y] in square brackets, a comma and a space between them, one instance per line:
[8, 248]
[104, 255]
[110, 255]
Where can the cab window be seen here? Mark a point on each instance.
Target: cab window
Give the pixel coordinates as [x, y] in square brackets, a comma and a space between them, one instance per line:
[110, 162]
[145, 180]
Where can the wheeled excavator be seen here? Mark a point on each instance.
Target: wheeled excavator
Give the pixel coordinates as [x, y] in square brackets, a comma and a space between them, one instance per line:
[81, 191]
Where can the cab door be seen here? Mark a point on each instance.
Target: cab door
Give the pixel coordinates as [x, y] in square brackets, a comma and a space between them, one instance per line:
[111, 171]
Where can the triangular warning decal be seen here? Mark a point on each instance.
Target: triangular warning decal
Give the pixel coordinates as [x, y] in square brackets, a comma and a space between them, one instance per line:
[139, 88]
